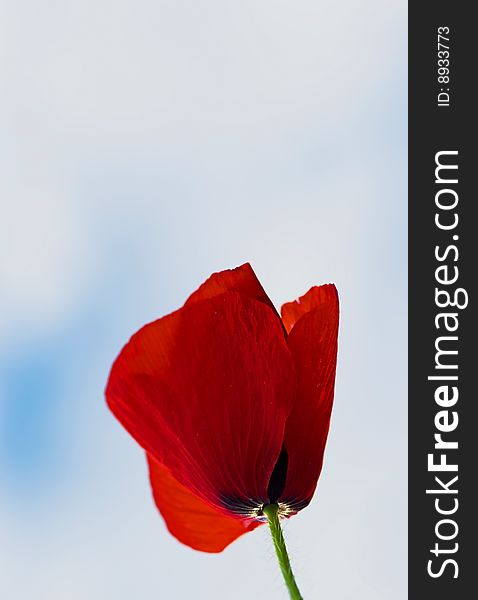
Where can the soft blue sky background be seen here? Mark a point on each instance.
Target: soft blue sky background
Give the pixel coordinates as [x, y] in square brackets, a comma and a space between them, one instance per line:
[144, 145]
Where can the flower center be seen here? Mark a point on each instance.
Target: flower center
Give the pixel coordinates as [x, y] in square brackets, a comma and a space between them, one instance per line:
[284, 510]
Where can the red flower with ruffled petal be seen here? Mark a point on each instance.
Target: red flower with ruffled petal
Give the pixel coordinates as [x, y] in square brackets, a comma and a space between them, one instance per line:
[231, 403]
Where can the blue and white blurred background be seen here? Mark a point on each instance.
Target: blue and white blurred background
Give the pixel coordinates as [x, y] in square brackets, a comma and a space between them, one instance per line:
[144, 145]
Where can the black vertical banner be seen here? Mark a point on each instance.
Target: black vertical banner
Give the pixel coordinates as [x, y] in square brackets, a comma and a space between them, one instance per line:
[443, 337]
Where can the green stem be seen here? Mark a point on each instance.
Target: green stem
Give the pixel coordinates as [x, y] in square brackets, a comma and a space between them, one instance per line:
[271, 512]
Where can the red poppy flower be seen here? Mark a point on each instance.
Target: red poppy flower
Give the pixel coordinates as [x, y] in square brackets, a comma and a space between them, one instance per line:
[231, 403]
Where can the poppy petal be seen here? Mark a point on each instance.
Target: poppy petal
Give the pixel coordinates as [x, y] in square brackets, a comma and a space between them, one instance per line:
[191, 520]
[241, 279]
[206, 391]
[313, 323]
[317, 295]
